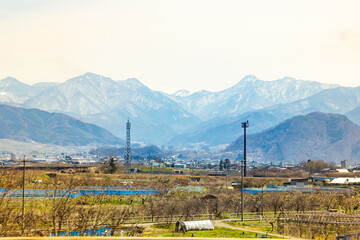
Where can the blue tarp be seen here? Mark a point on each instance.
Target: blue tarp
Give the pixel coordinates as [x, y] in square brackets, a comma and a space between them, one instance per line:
[111, 187]
[294, 189]
[90, 192]
[105, 231]
[75, 193]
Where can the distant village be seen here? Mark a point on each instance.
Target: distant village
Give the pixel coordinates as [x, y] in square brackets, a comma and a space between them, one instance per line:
[330, 174]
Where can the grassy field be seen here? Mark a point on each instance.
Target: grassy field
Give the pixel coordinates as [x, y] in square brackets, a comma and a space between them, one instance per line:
[253, 225]
[157, 169]
[219, 232]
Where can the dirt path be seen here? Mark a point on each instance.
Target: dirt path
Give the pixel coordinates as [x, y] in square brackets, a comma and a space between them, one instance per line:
[218, 223]
[221, 223]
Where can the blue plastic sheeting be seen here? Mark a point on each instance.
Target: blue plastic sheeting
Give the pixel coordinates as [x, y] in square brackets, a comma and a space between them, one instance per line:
[293, 189]
[41, 193]
[116, 192]
[113, 187]
[105, 231]
[259, 190]
[348, 237]
[75, 193]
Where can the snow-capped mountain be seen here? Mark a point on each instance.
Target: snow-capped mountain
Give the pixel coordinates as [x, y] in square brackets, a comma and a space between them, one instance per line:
[108, 103]
[158, 117]
[217, 131]
[336, 100]
[86, 94]
[182, 93]
[15, 92]
[248, 95]
[39, 87]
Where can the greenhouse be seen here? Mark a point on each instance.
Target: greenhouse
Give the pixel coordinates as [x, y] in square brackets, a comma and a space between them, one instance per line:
[193, 225]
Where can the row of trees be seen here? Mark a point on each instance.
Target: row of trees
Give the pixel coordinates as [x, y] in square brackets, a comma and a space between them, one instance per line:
[318, 226]
[65, 213]
[224, 165]
[56, 214]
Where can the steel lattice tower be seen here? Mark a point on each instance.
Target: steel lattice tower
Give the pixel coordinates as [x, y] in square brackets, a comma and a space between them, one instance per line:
[127, 147]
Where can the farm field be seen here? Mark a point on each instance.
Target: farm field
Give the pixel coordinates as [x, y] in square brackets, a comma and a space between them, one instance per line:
[107, 201]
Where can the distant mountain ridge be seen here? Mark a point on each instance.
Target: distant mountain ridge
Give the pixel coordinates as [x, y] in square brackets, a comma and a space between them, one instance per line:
[354, 115]
[335, 100]
[223, 131]
[15, 92]
[343, 100]
[50, 128]
[108, 103]
[249, 94]
[159, 118]
[325, 136]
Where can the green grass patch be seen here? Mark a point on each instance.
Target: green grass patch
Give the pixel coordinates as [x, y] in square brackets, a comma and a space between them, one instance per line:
[157, 169]
[163, 226]
[253, 225]
[117, 201]
[219, 232]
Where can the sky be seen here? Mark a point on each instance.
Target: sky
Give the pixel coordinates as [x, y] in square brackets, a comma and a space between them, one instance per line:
[186, 44]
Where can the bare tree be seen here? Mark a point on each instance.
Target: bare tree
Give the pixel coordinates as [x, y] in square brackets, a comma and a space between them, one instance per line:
[61, 204]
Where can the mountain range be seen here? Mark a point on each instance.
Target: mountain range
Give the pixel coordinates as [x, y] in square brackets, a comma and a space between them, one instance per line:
[222, 131]
[108, 104]
[324, 136]
[50, 128]
[183, 118]
[341, 100]
[249, 94]
[13, 91]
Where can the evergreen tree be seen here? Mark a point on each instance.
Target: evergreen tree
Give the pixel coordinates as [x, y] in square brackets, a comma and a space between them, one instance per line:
[227, 164]
[112, 165]
[221, 165]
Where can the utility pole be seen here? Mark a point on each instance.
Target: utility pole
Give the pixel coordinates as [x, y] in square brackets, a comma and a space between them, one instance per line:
[242, 190]
[245, 125]
[262, 204]
[151, 167]
[23, 200]
[226, 173]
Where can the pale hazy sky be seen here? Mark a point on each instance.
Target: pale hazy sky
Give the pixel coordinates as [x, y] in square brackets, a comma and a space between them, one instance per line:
[185, 44]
